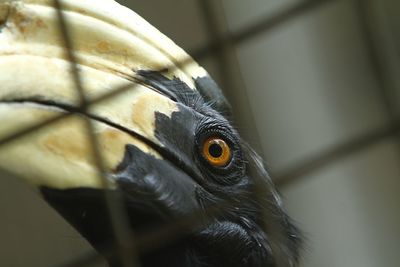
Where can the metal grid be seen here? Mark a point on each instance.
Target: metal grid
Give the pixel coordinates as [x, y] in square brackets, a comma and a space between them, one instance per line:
[221, 48]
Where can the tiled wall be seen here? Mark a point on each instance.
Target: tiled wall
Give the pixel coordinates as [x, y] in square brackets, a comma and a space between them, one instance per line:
[311, 85]
[349, 210]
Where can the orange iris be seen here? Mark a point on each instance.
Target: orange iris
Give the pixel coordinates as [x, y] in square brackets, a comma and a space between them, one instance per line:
[216, 151]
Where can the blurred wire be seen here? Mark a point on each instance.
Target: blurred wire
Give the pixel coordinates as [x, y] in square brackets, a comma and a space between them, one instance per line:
[209, 49]
[118, 218]
[220, 42]
[228, 67]
[386, 88]
[269, 22]
[334, 154]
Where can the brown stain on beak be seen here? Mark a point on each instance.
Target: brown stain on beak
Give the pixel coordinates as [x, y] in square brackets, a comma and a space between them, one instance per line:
[26, 23]
[103, 47]
[69, 143]
[72, 144]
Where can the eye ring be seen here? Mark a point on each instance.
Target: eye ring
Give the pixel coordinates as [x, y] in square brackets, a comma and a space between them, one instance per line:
[216, 151]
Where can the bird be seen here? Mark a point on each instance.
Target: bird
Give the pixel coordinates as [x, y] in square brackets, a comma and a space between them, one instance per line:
[190, 189]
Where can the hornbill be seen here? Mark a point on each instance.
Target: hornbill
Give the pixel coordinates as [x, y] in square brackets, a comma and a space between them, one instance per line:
[168, 146]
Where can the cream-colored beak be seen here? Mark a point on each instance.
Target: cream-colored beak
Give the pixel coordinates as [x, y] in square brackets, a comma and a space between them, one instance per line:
[111, 43]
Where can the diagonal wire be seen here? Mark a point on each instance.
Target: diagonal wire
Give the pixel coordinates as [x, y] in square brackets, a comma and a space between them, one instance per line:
[229, 67]
[85, 259]
[119, 222]
[290, 176]
[334, 154]
[294, 11]
[56, 118]
[171, 232]
[156, 238]
[330, 155]
[151, 239]
[267, 24]
[385, 88]
[252, 31]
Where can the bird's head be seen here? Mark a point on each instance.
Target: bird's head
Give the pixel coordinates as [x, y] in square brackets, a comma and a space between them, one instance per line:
[169, 155]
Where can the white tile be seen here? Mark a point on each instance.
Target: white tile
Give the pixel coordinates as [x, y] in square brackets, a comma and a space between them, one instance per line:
[240, 14]
[310, 85]
[384, 20]
[180, 20]
[350, 210]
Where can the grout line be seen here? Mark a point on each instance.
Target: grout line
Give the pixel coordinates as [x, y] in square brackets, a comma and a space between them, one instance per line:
[338, 152]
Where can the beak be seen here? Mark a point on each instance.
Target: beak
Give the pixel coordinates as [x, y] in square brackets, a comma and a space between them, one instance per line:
[112, 44]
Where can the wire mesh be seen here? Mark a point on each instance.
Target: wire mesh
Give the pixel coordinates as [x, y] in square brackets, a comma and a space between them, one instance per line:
[119, 222]
[129, 242]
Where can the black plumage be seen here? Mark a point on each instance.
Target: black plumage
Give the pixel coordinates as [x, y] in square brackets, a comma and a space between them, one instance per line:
[240, 219]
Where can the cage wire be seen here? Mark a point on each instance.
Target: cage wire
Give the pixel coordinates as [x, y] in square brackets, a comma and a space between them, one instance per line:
[221, 47]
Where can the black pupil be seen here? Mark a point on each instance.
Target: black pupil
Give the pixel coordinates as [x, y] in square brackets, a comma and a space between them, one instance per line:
[215, 150]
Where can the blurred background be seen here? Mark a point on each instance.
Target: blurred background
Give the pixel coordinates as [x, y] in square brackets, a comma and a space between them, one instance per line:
[315, 88]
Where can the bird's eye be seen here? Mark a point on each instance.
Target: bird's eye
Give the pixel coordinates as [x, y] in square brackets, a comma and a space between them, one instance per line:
[216, 151]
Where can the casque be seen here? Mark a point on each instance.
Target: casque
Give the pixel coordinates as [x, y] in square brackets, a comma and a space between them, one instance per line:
[167, 145]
